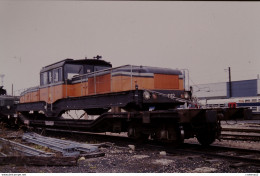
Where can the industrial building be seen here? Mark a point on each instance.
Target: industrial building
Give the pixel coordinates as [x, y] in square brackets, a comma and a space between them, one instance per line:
[224, 90]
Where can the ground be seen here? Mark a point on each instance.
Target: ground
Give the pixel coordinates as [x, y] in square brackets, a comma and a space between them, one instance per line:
[125, 159]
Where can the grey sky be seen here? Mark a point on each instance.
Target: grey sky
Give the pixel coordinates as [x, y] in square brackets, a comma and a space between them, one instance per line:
[204, 37]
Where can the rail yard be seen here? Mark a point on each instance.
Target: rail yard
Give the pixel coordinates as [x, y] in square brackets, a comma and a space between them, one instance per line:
[159, 125]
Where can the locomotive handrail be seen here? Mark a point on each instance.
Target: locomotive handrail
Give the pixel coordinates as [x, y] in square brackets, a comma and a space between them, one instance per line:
[95, 72]
[132, 70]
[131, 67]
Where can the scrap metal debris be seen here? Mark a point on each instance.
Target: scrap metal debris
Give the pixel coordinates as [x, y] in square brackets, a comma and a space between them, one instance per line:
[16, 153]
[66, 147]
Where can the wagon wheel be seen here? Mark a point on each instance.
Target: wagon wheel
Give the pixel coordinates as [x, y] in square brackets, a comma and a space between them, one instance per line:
[136, 132]
[206, 137]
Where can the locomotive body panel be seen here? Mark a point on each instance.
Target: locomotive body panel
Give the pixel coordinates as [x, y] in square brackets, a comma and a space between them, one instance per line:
[124, 83]
[44, 94]
[99, 84]
[163, 81]
[31, 95]
[103, 84]
[80, 89]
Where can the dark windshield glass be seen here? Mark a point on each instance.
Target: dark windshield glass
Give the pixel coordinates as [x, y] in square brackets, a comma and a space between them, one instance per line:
[72, 70]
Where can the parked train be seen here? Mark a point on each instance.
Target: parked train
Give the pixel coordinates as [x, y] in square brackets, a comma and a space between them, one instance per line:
[143, 101]
[252, 103]
[7, 106]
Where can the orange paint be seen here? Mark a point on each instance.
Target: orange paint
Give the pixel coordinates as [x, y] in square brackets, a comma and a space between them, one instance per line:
[34, 96]
[121, 83]
[80, 89]
[44, 93]
[51, 94]
[103, 84]
[124, 83]
[162, 81]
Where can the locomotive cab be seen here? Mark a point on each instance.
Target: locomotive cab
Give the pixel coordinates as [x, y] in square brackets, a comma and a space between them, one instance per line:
[67, 69]
[56, 80]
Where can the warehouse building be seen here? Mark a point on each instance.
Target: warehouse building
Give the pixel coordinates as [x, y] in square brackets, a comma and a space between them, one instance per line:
[222, 90]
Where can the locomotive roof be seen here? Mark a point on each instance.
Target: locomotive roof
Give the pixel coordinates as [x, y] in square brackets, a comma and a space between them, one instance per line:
[79, 61]
[148, 69]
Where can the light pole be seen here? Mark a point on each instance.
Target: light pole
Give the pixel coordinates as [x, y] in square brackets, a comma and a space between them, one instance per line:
[229, 81]
[230, 84]
[184, 80]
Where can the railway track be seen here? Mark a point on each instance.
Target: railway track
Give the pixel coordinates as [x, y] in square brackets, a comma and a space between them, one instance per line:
[238, 157]
[240, 137]
[241, 134]
[246, 130]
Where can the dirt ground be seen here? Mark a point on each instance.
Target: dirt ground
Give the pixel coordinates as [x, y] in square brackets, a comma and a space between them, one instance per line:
[125, 159]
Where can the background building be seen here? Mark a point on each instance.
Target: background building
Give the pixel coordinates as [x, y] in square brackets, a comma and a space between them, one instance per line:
[221, 90]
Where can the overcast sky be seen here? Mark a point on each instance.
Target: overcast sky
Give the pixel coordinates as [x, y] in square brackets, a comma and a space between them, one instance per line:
[204, 37]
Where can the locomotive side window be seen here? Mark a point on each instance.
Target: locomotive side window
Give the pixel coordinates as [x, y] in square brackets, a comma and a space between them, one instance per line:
[50, 77]
[89, 68]
[57, 75]
[97, 68]
[41, 79]
[44, 78]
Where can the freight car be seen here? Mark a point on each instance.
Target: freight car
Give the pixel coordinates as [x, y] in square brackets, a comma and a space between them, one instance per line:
[7, 107]
[252, 103]
[141, 100]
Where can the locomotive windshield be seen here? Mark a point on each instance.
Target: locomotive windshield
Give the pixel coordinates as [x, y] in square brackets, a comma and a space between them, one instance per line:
[73, 70]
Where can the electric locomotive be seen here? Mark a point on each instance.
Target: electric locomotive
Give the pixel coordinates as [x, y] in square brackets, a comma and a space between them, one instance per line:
[95, 87]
